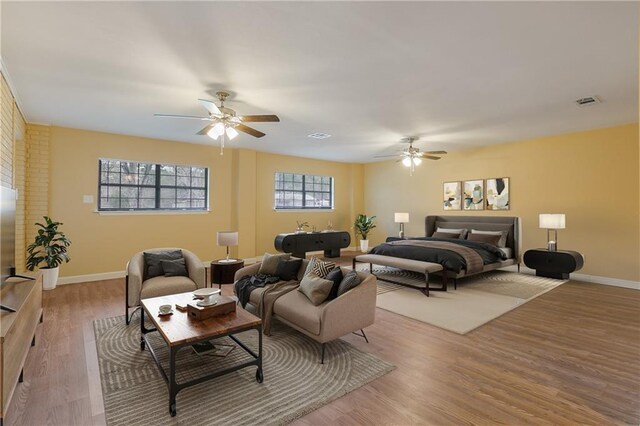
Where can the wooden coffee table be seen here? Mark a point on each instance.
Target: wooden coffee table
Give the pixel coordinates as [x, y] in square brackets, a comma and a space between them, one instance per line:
[179, 331]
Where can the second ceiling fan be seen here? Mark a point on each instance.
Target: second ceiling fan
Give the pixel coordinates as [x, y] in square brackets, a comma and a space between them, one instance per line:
[412, 156]
[224, 121]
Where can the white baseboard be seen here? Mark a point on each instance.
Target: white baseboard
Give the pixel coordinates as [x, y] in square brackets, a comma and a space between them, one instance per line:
[616, 282]
[74, 279]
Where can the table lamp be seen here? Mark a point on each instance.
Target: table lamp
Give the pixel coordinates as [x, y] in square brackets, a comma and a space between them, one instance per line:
[228, 238]
[401, 218]
[552, 222]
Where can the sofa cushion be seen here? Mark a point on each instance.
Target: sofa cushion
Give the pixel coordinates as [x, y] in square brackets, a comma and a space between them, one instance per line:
[336, 276]
[350, 280]
[162, 286]
[152, 265]
[270, 263]
[174, 268]
[287, 270]
[319, 267]
[297, 309]
[315, 288]
[303, 269]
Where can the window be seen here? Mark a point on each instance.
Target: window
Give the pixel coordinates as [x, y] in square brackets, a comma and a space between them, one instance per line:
[129, 185]
[297, 191]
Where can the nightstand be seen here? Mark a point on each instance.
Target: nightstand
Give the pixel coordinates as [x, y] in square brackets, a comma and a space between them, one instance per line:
[222, 272]
[553, 264]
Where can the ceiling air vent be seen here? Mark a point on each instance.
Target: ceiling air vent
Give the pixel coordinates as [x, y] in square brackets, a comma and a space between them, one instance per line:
[590, 100]
[319, 135]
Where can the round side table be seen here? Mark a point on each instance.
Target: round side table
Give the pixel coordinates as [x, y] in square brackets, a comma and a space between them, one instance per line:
[222, 272]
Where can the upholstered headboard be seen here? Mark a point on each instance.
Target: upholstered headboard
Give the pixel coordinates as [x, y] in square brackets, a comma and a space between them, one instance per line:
[483, 223]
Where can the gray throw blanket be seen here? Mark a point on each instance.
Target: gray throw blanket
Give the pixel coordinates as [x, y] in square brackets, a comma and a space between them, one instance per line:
[472, 258]
[245, 285]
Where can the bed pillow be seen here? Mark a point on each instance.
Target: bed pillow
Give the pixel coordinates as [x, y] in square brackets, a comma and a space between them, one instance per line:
[287, 269]
[503, 236]
[460, 231]
[452, 236]
[485, 238]
[270, 263]
[315, 288]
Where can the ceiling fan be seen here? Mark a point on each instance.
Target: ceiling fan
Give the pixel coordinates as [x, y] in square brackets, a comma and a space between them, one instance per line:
[224, 121]
[412, 156]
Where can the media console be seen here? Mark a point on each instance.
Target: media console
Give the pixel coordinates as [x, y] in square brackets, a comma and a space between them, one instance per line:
[299, 244]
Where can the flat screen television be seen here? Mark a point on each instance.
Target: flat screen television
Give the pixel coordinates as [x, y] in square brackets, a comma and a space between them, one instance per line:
[7, 233]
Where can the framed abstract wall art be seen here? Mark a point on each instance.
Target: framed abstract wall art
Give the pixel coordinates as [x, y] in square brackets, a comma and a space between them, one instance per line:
[473, 195]
[497, 194]
[452, 195]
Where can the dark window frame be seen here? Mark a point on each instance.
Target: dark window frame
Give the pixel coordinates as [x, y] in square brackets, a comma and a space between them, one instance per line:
[157, 187]
[302, 191]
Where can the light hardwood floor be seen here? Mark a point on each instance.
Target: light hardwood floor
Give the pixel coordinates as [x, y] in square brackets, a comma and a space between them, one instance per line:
[570, 356]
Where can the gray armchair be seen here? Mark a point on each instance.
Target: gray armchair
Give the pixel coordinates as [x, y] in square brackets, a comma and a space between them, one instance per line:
[137, 288]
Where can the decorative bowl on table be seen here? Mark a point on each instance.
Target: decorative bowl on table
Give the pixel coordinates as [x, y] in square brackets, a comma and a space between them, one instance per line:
[208, 296]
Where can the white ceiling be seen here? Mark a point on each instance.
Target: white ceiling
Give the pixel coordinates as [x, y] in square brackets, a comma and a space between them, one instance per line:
[456, 74]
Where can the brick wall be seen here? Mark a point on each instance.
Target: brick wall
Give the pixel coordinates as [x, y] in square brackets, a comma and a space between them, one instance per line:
[6, 135]
[36, 178]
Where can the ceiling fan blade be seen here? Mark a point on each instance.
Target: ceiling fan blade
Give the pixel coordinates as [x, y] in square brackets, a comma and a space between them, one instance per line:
[435, 152]
[192, 117]
[382, 156]
[259, 118]
[205, 130]
[210, 106]
[248, 130]
[430, 157]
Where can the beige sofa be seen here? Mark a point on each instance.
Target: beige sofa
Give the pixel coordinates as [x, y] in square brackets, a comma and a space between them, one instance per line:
[136, 288]
[350, 312]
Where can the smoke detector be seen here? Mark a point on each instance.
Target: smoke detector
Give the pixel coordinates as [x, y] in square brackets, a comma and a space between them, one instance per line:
[589, 100]
[319, 135]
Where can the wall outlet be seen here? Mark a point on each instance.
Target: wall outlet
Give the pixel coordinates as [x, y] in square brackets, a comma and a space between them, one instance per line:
[87, 199]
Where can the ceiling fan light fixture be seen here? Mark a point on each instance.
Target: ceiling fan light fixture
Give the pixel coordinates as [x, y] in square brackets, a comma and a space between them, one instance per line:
[406, 161]
[216, 131]
[231, 133]
[417, 161]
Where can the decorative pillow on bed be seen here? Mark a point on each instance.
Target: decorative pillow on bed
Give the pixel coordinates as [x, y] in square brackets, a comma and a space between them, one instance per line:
[460, 231]
[319, 267]
[452, 236]
[485, 238]
[503, 236]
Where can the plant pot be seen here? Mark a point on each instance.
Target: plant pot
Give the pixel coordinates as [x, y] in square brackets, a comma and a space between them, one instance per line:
[364, 246]
[50, 278]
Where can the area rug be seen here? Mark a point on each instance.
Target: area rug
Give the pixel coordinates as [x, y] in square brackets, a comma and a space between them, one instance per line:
[295, 383]
[477, 300]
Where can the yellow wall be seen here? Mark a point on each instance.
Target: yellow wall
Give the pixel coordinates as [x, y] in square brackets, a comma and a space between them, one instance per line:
[590, 176]
[241, 192]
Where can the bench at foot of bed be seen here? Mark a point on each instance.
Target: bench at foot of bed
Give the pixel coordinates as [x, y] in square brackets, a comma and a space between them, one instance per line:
[418, 266]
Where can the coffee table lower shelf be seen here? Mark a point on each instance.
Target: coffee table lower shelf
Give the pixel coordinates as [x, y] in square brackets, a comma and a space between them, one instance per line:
[170, 376]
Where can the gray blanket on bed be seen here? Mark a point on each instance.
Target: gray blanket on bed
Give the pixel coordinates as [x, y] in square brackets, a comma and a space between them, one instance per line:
[473, 260]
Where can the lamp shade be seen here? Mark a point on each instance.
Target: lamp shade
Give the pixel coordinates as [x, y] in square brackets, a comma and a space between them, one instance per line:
[552, 221]
[228, 238]
[401, 217]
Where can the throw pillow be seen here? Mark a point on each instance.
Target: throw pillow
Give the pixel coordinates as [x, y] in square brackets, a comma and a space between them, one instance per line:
[319, 267]
[484, 238]
[315, 288]
[287, 270]
[174, 268]
[336, 276]
[503, 235]
[461, 231]
[270, 263]
[153, 267]
[452, 236]
[351, 280]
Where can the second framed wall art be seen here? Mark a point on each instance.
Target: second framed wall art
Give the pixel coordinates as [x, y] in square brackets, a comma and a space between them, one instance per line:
[479, 194]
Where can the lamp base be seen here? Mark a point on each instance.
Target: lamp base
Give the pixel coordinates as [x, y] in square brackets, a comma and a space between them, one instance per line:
[552, 246]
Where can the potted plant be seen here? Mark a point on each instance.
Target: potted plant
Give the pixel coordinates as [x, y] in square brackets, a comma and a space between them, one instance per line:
[362, 226]
[47, 252]
[301, 226]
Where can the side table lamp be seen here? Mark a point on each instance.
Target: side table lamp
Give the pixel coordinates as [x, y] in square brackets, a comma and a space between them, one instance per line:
[227, 238]
[401, 218]
[552, 222]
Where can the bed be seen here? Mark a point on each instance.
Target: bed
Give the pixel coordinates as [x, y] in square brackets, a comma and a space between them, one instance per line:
[458, 258]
